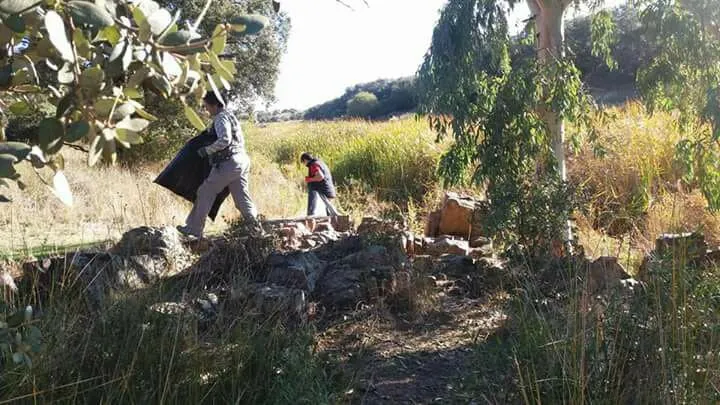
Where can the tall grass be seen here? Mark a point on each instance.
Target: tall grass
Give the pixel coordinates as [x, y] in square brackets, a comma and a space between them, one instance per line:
[656, 345]
[130, 353]
[395, 160]
[635, 169]
[110, 200]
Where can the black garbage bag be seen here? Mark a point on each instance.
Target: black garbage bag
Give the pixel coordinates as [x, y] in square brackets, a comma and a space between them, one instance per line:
[187, 171]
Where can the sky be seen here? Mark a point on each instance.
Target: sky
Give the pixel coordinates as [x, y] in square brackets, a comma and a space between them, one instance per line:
[332, 47]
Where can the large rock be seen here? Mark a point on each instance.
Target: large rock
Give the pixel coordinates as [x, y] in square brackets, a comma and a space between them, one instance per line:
[688, 247]
[341, 286]
[456, 216]
[679, 250]
[295, 270]
[360, 276]
[480, 213]
[372, 225]
[432, 224]
[268, 300]
[603, 273]
[446, 246]
[165, 241]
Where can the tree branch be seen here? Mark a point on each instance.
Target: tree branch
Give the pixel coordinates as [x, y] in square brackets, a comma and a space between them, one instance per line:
[76, 147]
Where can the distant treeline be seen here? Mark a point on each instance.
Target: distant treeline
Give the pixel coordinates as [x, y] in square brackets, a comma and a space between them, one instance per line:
[384, 98]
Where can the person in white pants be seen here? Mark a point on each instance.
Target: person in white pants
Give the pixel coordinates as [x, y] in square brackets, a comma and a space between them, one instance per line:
[231, 168]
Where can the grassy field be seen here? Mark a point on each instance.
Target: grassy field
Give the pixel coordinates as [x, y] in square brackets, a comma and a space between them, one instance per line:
[632, 193]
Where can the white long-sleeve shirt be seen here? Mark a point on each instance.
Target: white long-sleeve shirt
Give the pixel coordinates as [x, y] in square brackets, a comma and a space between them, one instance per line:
[229, 133]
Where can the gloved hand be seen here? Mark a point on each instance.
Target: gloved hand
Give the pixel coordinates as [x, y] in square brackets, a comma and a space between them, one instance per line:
[202, 152]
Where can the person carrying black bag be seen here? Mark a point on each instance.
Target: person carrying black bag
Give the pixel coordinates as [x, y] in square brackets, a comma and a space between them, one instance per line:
[230, 169]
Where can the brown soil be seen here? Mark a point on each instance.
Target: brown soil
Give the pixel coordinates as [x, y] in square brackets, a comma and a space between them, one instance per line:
[413, 361]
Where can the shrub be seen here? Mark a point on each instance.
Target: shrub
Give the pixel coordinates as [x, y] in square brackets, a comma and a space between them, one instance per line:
[362, 105]
[395, 97]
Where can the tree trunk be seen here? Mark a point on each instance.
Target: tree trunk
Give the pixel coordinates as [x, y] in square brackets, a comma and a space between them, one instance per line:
[550, 39]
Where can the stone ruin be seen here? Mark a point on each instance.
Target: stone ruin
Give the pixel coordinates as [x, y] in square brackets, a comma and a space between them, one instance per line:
[302, 264]
[456, 228]
[310, 263]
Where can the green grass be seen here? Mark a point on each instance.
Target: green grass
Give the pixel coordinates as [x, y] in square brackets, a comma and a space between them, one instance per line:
[395, 160]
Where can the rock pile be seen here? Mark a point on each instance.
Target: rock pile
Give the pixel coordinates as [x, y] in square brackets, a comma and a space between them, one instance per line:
[455, 229]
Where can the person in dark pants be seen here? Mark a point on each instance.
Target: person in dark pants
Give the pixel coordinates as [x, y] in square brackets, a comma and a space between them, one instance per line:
[320, 185]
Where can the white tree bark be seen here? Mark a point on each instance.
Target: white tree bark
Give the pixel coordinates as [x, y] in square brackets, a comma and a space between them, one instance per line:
[550, 29]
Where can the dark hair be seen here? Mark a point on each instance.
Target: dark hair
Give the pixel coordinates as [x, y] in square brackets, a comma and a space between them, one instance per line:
[212, 99]
[306, 156]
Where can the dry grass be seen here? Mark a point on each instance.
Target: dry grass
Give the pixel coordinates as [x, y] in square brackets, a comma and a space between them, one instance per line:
[385, 168]
[681, 212]
[634, 192]
[111, 200]
[637, 167]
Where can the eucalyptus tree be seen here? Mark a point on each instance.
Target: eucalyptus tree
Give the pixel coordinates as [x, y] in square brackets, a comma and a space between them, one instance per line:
[507, 113]
[104, 56]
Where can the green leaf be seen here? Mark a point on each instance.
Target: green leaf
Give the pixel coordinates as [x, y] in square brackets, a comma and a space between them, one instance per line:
[144, 29]
[20, 108]
[138, 77]
[96, 147]
[92, 78]
[7, 166]
[37, 158]
[82, 46]
[194, 118]
[56, 32]
[57, 162]
[110, 34]
[139, 110]
[64, 105]
[127, 137]
[176, 38]
[51, 133]
[18, 149]
[16, 6]
[133, 124]
[15, 23]
[160, 85]
[248, 24]
[109, 151]
[123, 110]
[61, 188]
[159, 21]
[170, 65]
[132, 92]
[229, 66]
[215, 89]
[219, 39]
[219, 67]
[76, 131]
[85, 12]
[219, 80]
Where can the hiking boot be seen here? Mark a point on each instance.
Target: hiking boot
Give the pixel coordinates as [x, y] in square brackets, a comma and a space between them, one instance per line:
[185, 231]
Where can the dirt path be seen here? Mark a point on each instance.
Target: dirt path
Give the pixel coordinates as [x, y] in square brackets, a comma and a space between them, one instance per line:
[422, 361]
